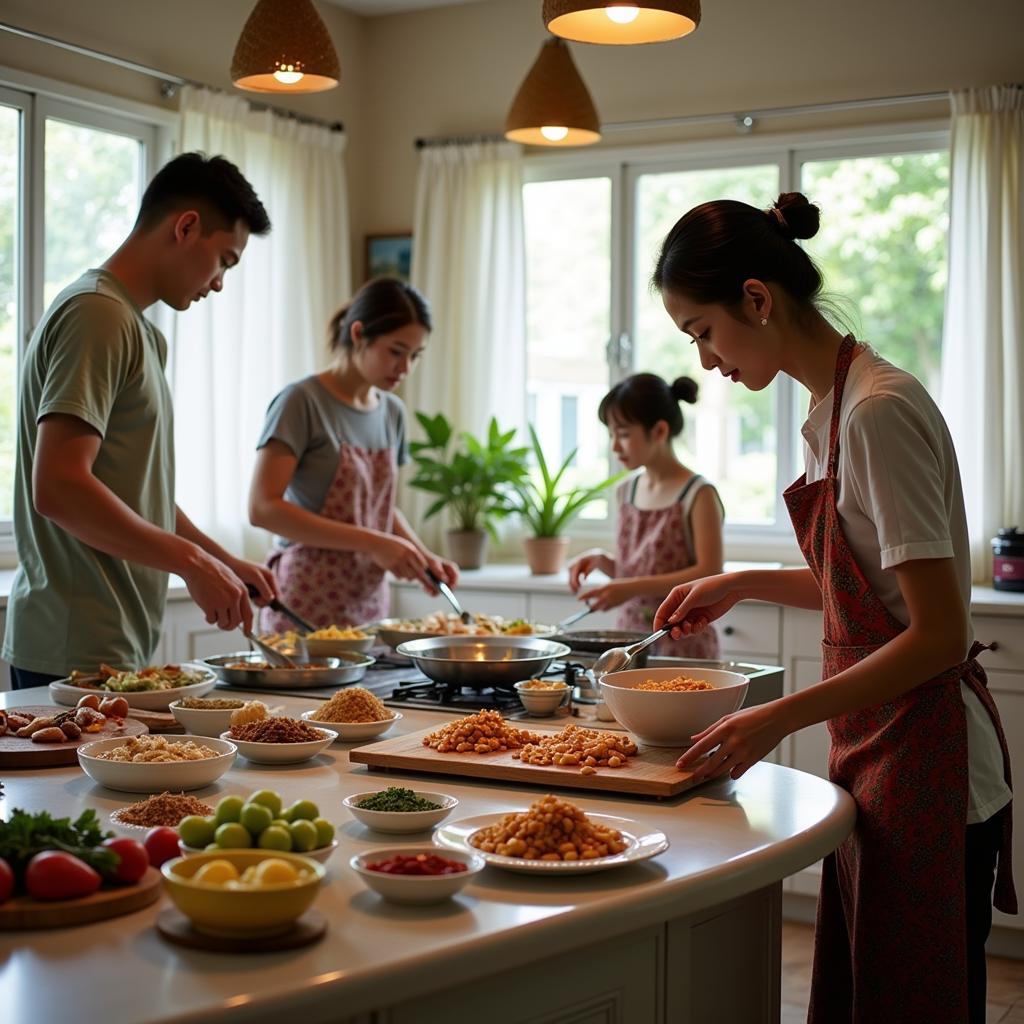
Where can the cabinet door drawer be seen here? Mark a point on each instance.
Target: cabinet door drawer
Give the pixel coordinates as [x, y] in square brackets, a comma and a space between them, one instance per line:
[752, 628]
[1007, 632]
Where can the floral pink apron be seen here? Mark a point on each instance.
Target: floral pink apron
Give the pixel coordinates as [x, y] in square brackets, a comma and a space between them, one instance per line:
[341, 588]
[890, 936]
[651, 542]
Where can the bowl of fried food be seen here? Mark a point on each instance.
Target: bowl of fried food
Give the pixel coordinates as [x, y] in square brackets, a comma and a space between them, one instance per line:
[328, 642]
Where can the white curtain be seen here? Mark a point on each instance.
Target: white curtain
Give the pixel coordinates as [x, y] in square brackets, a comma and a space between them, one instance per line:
[468, 260]
[983, 335]
[234, 351]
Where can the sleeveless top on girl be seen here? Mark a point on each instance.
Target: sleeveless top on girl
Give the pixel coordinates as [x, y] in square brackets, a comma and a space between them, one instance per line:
[655, 541]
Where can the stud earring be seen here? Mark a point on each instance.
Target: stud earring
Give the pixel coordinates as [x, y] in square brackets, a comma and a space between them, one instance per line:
[764, 321]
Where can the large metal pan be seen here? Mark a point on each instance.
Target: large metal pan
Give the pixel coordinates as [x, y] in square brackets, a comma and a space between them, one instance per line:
[346, 667]
[480, 661]
[390, 632]
[597, 641]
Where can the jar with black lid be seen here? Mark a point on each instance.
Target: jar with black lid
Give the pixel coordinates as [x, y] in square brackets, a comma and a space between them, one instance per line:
[1008, 559]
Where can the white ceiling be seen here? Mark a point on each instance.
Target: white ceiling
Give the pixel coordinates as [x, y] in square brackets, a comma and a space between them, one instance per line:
[368, 8]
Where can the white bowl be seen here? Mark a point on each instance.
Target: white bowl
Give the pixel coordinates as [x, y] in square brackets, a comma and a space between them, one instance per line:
[416, 888]
[541, 701]
[157, 776]
[660, 718]
[332, 648]
[281, 753]
[321, 853]
[348, 731]
[63, 692]
[401, 821]
[203, 721]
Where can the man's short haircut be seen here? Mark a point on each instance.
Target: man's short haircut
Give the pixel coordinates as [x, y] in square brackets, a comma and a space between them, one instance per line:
[212, 184]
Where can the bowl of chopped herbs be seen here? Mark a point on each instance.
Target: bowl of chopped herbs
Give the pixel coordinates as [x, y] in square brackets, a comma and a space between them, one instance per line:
[397, 809]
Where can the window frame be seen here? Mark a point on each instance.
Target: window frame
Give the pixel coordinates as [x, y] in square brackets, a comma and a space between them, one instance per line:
[790, 150]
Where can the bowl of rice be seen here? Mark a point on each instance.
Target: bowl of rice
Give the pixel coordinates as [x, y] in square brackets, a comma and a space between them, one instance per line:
[353, 714]
[665, 707]
[151, 764]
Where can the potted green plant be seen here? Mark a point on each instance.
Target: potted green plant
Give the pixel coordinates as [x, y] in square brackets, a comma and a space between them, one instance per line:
[472, 479]
[548, 508]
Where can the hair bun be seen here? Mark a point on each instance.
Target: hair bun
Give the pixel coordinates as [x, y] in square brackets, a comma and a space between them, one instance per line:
[795, 216]
[685, 389]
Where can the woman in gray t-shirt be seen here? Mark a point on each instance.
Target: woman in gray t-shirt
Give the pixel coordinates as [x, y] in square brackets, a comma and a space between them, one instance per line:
[326, 470]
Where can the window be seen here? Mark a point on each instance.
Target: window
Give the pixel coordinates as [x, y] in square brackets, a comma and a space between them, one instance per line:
[89, 169]
[570, 428]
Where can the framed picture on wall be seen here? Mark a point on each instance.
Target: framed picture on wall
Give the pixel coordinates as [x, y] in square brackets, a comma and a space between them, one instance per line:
[389, 255]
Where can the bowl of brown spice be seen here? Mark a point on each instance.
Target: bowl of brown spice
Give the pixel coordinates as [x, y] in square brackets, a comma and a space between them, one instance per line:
[163, 809]
[278, 740]
[353, 714]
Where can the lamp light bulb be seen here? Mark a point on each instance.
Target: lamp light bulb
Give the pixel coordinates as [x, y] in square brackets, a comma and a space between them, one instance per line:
[554, 133]
[622, 14]
[287, 75]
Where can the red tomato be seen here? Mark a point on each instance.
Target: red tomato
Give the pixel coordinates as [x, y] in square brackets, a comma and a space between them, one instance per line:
[134, 859]
[161, 844]
[55, 875]
[6, 880]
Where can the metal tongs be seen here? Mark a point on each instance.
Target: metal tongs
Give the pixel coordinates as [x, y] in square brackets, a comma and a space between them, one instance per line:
[273, 656]
[283, 609]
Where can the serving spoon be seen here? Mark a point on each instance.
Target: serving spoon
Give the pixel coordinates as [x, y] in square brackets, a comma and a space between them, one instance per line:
[449, 596]
[615, 659]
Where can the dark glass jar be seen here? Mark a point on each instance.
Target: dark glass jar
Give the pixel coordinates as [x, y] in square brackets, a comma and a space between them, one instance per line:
[1008, 559]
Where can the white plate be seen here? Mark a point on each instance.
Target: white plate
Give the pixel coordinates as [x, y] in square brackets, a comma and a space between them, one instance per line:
[401, 821]
[641, 844]
[156, 776]
[281, 753]
[135, 831]
[146, 700]
[348, 731]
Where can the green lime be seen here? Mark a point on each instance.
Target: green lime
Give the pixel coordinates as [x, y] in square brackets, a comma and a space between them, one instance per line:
[232, 836]
[283, 822]
[229, 809]
[256, 817]
[303, 835]
[275, 838]
[211, 846]
[268, 798]
[196, 831]
[304, 810]
[324, 832]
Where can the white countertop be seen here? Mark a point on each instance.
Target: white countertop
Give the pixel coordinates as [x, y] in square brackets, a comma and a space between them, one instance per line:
[728, 839]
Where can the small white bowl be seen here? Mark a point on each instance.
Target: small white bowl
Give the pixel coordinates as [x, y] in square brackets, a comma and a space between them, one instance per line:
[401, 821]
[157, 776]
[541, 702]
[281, 753]
[416, 888]
[665, 718]
[348, 731]
[321, 854]
[203, 721]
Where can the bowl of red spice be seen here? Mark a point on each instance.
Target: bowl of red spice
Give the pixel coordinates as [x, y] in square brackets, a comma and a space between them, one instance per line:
[406, 874]
[278, 740]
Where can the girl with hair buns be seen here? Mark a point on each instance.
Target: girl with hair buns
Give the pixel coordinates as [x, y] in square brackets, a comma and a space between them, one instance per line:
[670, 518]
[906, 901]
[328, 458]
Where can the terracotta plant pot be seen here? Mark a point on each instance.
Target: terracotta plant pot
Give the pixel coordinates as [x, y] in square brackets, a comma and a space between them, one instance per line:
[546, 555]
[467, 548]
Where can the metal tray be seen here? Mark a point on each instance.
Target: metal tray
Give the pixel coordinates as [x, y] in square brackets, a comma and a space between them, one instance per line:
[344, 668]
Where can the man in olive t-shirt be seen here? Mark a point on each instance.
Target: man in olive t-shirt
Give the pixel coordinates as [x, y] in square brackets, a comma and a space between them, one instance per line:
[96, 524]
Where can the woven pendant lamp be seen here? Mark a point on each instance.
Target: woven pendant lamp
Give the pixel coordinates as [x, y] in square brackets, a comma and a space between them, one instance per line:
[553, 107]
[285, 47]
[621, 21]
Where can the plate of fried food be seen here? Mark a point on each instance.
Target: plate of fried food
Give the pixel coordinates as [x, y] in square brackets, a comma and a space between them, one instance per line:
[152, 688]
[553, 837]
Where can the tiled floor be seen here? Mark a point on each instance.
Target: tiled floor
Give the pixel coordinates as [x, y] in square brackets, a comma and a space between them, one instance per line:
[1005, 980]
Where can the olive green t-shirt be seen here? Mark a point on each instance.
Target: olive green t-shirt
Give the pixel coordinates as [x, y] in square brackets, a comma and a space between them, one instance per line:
[96, 357]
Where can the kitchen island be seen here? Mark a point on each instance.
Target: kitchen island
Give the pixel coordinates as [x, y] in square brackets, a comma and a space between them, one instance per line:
[690, 936]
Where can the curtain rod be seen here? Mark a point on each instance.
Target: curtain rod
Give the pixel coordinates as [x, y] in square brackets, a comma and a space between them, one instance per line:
[169, 84]
[744, 121]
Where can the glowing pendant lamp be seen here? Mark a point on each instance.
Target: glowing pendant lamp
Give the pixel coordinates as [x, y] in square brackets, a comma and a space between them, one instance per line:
[621, 21]
[553, 107]
[285, 47]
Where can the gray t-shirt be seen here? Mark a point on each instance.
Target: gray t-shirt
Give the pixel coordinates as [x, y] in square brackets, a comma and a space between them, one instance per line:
[315, 425]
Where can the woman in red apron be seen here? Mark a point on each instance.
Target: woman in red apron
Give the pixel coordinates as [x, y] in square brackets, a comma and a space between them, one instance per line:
[669, 517]
[906, 900]
[326, 471]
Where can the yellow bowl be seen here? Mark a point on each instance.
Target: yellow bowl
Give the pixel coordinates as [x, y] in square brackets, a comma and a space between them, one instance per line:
[240, 912]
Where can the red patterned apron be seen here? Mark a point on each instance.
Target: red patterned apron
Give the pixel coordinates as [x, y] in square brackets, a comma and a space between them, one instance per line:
[651, 542]
[890, 935]
[330, 587]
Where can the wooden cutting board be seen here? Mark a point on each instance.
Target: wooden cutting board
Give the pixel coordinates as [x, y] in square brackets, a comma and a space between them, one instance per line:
[24, 913]
[21, 752]
[652, 772]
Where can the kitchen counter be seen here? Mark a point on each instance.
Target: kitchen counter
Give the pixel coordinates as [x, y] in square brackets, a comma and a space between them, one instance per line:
[692, 923]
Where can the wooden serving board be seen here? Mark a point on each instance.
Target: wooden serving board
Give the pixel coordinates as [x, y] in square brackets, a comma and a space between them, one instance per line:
[652, 772]
[21, 752]
[24, 913]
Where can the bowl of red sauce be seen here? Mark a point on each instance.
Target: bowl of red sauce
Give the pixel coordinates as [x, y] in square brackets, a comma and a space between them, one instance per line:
[409, 874]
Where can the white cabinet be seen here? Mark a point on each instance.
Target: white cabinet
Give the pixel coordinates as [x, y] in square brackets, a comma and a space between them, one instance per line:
[187, 636]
